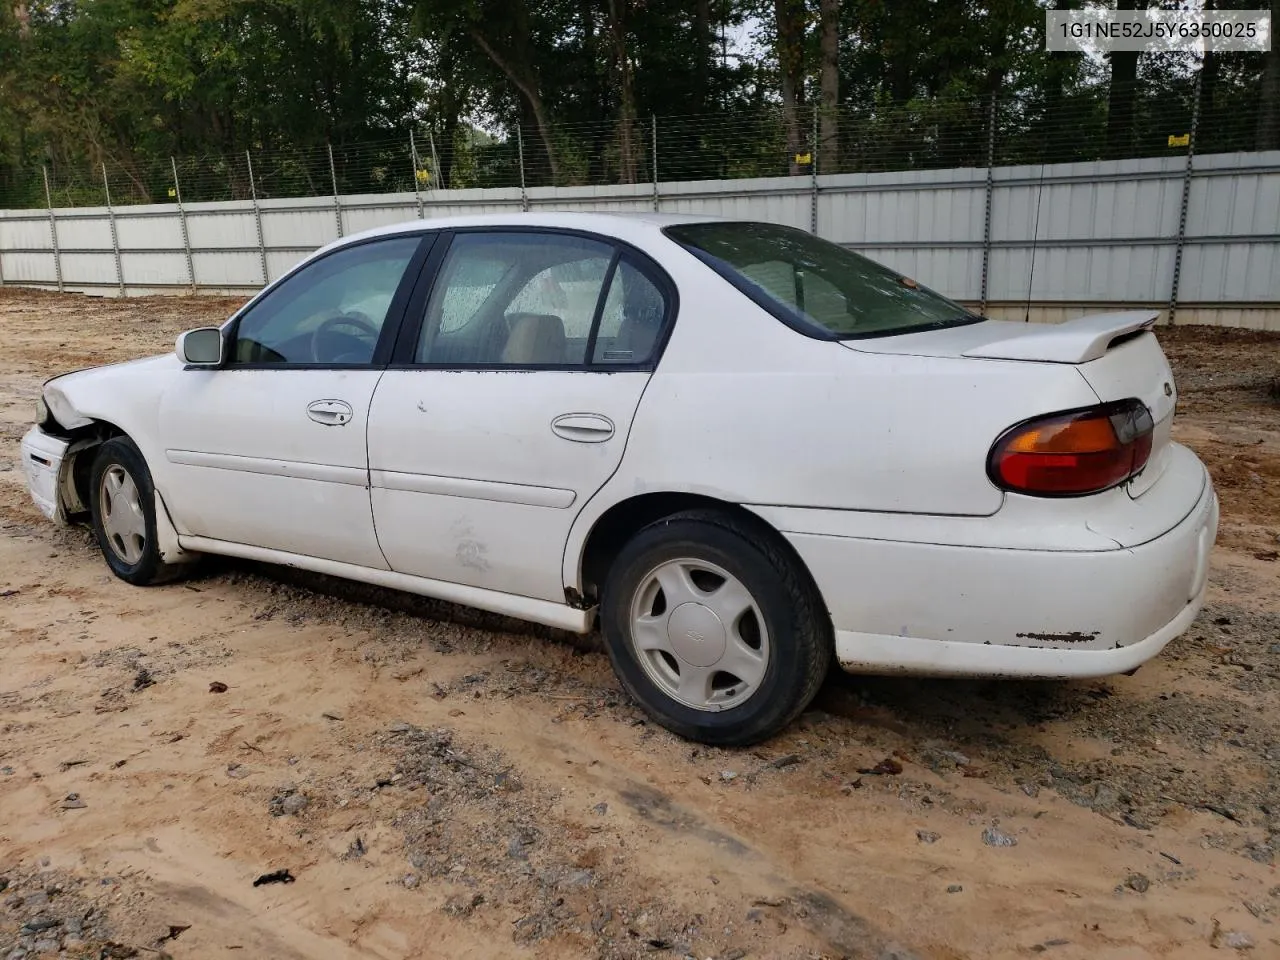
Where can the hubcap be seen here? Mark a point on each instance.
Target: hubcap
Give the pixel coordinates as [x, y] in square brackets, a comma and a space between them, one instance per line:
[699, 634]
[122, 518]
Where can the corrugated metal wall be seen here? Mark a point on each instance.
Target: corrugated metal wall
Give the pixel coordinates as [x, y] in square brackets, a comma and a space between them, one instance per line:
[1061, 239]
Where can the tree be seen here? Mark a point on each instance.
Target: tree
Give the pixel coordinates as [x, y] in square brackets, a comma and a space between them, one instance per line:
[504, 33]
[790, 22]
[829, 83]
[626, 87]
[133, 82]
[1268, 129]
[1123, 92]
[1206, 84]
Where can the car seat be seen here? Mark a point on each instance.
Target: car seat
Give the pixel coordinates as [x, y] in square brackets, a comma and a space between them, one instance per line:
[536, 339]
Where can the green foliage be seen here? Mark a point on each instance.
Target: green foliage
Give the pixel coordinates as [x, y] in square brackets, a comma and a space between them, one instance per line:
[131, 83]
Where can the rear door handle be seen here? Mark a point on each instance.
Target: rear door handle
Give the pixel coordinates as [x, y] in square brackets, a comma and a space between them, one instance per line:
[583, 427]
[331, 413]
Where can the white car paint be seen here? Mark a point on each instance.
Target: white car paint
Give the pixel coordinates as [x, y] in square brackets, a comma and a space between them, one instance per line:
[486, 492]
[868, 457]
[242, 464]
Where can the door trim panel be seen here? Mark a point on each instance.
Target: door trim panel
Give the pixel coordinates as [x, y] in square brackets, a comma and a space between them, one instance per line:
[500, 492]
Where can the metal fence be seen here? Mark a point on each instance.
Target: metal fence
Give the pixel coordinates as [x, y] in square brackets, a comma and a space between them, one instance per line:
[1198, 236]
[731, 144]
[989, 222]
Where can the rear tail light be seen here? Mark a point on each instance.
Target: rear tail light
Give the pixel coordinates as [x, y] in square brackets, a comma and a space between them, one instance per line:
[1075, 453]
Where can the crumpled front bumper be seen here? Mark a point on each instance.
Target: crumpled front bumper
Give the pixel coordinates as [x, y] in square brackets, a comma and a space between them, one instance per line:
[43, 457]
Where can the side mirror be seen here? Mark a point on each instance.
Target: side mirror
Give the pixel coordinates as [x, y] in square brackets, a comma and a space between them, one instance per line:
[200, 348]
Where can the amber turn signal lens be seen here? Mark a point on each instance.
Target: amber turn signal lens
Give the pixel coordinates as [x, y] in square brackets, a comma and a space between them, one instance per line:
[1074, 453]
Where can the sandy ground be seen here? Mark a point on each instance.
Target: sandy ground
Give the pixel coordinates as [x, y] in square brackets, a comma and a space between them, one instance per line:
[442, 783]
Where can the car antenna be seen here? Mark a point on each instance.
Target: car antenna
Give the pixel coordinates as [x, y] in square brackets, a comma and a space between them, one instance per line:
[1035, 239]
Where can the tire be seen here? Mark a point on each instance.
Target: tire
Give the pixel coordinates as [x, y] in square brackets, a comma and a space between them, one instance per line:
[779, 643]
[125, 524]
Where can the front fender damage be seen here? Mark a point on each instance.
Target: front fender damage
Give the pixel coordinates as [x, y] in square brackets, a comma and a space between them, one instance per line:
[62, 409]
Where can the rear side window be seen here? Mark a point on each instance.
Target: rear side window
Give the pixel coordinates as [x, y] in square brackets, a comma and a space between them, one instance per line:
[514, 300]
[568, 290]
[817, 286]
[632, 318]
[532, 299]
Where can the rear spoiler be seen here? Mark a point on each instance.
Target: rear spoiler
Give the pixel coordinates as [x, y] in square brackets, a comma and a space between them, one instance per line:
[1075, 341]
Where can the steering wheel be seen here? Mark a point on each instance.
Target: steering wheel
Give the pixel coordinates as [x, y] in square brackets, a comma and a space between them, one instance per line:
[352, 319]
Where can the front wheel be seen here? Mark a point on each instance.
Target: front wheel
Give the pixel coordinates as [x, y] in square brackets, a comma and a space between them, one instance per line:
[122, 504]
[714, 629]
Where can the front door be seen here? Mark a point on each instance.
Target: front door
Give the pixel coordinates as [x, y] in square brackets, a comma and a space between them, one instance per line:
[270, 449]
[511, 405]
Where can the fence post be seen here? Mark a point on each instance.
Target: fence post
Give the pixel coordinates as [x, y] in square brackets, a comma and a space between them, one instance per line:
[413, 158]
[813, 176]
[653, 124]
[257, 219]
[435, 160]
[182, 220]
[115, 237]
[986, 222]
[1186, 198]
[53, 227]
[337, 202]
[524, 193]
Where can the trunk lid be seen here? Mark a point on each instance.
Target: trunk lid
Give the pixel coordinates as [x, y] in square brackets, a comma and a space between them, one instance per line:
[1075, 341]
[1117, 354]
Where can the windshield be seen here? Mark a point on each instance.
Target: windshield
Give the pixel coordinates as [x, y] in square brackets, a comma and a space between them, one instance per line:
[817, 286]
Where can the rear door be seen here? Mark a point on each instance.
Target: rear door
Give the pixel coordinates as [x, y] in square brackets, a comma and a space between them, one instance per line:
[520, 367]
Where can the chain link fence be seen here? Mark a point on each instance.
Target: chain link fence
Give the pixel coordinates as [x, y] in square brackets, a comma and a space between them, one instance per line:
[765, 142]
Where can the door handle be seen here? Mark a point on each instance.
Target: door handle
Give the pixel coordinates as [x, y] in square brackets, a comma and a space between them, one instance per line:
[583, 427]
[331, 413]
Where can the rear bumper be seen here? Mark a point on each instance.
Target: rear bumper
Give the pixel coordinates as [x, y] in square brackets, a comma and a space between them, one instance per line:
[877, 654]
[42, 466]
[949, 610]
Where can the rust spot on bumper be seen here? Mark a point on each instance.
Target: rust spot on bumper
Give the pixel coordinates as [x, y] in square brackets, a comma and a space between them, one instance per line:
[1071, 636]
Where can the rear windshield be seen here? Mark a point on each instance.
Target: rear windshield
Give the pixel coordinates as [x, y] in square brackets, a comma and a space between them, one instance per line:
[816, 286]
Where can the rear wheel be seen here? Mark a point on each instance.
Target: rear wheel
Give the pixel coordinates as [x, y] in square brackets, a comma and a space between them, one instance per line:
[122, 504]
[714, 629]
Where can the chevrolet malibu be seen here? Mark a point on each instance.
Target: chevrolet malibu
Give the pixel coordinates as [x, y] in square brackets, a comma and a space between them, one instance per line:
[742, 451]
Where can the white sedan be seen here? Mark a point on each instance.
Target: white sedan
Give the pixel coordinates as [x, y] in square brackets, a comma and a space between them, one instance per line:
[739, 449]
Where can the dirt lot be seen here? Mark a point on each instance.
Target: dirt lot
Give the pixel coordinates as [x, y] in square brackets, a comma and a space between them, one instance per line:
[446, 784]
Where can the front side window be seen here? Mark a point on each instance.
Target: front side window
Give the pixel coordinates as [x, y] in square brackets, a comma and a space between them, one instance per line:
[514, 299]
[331, 311]
[815, 284]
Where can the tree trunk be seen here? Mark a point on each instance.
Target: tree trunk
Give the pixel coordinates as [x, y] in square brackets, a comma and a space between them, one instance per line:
[22, 16]
[446, 150]
[1123, 93]
[702, 66]
[1057, 70]
[593, 95]
[1268, 132]
[1210, 68]
[627, 96]
[455, 93]
[527, 84]
[829, 120]
[790, 24]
